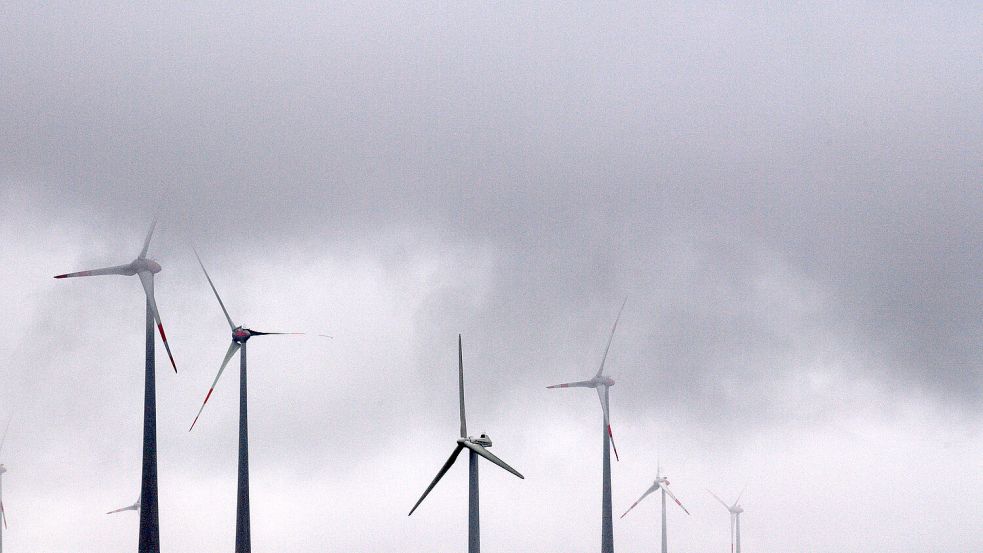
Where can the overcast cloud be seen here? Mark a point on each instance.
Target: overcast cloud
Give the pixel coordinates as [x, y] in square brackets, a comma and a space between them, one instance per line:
[788, 197]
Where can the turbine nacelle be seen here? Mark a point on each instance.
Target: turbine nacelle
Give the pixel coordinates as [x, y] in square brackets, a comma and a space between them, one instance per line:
[483, 440]
[3, 469]
[661, 480]
[240, 335]
[737, 509]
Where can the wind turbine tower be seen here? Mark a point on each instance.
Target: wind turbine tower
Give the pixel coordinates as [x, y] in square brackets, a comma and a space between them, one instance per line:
[240, 335]
[602, 384]
[476, 447]
[145, 268]
[3, 513]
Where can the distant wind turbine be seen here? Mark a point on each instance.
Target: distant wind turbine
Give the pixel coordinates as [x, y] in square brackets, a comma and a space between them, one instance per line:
[3, 469]
[735, 520]
[145, 268]
[602, 383]
[475, 447]
[240, 335]
[661, 484]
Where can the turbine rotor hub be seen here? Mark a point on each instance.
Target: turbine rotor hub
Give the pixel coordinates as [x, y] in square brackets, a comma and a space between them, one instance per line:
[146, 265]
[240, 335]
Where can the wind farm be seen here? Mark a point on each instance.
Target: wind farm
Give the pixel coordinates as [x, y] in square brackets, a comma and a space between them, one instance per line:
[750, 233]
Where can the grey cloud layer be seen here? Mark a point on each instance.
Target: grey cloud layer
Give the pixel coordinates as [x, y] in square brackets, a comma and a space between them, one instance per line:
[789, 198]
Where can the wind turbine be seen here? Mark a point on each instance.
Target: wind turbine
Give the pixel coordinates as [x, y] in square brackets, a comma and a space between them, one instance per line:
[661, 484]
[475, 446]
[240, 335]
[602, 383]
[145, 268]
[134, 507]
[3, 469]
[735, 520]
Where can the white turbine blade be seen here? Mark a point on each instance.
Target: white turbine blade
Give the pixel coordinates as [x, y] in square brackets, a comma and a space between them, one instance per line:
[233, 347]
[603, 396]
[3, 513]
[460, 381]
[121, 509]
[5, 429]
[578, 384]
[644, 495]
[726, 506]
[219, 298]
[146, 242]
[147, 279]
[600, 371]
[114, 270]
[740, 495]
[491, 457]
[668, 491]
[443, 471]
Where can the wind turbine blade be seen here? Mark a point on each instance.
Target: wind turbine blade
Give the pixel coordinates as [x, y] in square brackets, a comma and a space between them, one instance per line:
[210, 283]
[600, 371]
[644, 495]
[3, 513]
[5, 429]
[460, 386]
[668, 491]
[491, 457]
[233, 347]
[579, 384]
[258, 333]
[740, 495]
[146, 242]
[726, 506]
[443, 471]
[123, 270]
[147, 279]
[603, 396]
[121, 509]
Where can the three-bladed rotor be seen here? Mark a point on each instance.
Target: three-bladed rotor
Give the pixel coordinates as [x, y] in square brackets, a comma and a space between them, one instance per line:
[477, 445]
[735, 511]
[240, 335]
[145, 268]
[661, 483]
[601, 383]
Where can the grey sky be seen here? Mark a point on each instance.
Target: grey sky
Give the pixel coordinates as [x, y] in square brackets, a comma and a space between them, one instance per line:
[789, 198]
